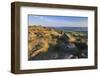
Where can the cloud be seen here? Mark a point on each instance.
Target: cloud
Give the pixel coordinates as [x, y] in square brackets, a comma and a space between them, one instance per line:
[58, 21]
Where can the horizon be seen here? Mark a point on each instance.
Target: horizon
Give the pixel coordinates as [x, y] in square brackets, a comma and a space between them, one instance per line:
[53, 26]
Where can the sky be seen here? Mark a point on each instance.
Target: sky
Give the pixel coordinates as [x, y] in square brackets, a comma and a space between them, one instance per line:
[58, 21]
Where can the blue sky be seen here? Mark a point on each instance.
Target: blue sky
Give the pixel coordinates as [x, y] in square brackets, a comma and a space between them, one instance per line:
[58, 21]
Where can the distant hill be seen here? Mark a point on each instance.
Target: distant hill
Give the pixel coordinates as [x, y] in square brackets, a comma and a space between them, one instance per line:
[71, 28]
